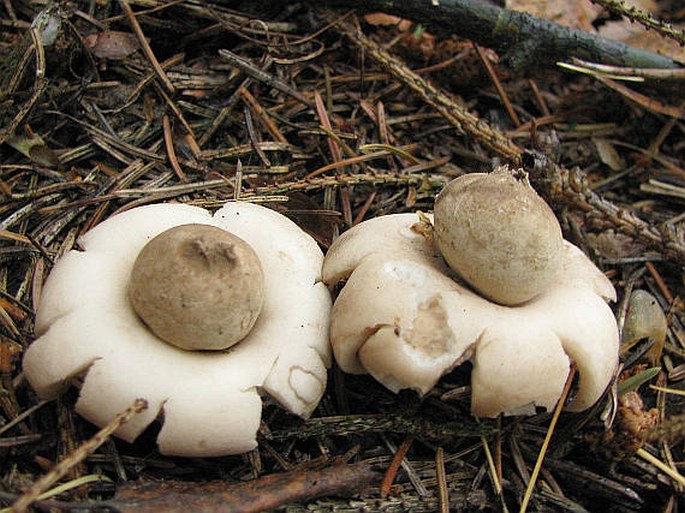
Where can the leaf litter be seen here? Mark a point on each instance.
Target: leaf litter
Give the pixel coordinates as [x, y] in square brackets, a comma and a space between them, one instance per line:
[108, 105]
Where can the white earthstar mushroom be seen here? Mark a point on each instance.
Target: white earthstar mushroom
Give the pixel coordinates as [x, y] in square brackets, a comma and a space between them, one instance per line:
[87, 325]
[406, 318]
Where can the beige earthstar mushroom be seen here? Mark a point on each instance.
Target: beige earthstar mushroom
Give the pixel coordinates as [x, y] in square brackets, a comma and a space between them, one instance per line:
[407, 319]
[208, 399]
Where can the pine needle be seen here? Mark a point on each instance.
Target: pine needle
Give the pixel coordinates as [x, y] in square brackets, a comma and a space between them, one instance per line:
[545, 444]
[81, 453]
[670, 472]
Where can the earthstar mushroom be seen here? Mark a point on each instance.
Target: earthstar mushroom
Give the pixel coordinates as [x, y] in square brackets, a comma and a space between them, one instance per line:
[209, 401]
[407, 318]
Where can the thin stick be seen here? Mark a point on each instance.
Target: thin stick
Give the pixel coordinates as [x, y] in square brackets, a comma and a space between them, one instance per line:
[40, 52]
[16, 420]
[262, 76]
[648, 103]
[660, 282]
[670, 472]
[644, 18]
[145, 46]
[545, 443]
[498, 85]
[440, 474]
[333, 146]
[542, 104]
[365, 208]
[174, 108]
[385, 135]
[238, 181]
[498, 449]
[394, 466]
[76, 457]
[254, 140]
[267, 493]
[170, 150]
[259, 111]
[346, 162]
[492, 468]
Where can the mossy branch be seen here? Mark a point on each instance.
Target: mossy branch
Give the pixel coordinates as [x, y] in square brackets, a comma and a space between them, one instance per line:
[523, 41]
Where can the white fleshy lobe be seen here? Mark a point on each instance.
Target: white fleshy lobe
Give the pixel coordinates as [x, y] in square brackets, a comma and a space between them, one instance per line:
[403, 318]
[210, 400]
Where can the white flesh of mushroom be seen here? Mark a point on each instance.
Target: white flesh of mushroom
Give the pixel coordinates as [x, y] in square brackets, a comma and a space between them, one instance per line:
[401, 318]
[210, 400]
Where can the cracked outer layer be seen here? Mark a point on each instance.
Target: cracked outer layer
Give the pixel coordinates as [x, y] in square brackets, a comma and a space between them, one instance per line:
[210, 400]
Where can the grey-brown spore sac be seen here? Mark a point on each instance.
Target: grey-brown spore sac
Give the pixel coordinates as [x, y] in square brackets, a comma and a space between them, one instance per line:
[499, 235]
[197, 287]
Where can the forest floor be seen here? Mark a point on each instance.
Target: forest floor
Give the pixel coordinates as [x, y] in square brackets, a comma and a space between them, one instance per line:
[334, 117]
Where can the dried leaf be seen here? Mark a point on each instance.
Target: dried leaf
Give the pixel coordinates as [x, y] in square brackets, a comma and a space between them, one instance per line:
[112, 44]
[32, 146]
[572, 13]
[645, 320]
[608, 154]
[382, 19]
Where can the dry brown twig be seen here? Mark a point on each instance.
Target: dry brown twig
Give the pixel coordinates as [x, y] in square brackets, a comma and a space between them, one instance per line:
[147, 50]
[643, 18]
[571, 187]
[465, 122]
[263, 494]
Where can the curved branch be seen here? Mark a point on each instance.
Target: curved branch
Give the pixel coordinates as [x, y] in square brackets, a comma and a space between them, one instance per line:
[522, 40]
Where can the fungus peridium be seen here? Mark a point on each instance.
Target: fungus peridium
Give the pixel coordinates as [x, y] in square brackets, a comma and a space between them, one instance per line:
[499, 235]
[198, 287]
[209, 402]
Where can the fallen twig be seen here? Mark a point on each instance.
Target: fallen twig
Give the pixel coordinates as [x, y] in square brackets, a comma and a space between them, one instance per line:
[562, 186]
[356, 424]
[643, 18]
[262, 494]
[146, 46]
[545, 444]
[524, 41]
